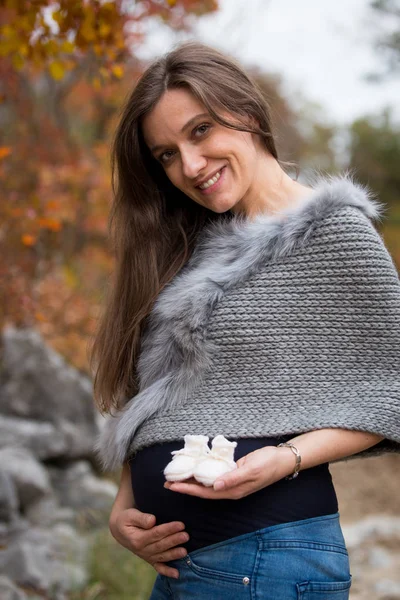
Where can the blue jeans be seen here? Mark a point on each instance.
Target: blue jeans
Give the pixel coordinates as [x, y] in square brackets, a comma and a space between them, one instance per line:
[302, 560]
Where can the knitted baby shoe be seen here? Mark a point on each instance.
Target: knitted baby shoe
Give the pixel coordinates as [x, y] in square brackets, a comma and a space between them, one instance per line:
[184, 461]
[219, 461]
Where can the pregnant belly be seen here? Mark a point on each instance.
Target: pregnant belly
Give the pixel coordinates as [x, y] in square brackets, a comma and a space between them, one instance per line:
[211, 521]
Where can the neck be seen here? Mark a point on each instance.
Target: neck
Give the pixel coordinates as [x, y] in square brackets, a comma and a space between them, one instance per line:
[271, 191]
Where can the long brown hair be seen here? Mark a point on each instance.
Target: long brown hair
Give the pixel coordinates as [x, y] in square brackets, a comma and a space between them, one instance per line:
[153, 225]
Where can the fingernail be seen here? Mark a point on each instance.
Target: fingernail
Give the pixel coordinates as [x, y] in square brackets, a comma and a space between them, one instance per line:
[219, 485]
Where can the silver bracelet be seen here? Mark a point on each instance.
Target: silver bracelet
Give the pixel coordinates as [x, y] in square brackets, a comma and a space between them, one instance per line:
[298, 458]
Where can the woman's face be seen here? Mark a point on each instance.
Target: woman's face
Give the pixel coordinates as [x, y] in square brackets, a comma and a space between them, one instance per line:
[211, 164]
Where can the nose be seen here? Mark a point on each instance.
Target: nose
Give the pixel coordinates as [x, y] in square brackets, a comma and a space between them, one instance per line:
[192, 162]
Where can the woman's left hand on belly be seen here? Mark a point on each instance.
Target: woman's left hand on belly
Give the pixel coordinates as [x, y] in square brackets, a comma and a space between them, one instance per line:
[255, 471]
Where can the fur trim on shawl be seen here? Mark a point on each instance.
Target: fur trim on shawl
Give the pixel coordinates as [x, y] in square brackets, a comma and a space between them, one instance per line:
[175, 352]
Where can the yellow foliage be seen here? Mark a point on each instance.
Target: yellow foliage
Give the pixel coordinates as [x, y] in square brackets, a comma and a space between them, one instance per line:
[104, 30]
[118, 71]
[24, 50]
[70, 276]
[108, 6]
[98, 49]
[87, 29]
[7, 31]
[57, 16]
[18, 62]
[57, 70]
[67, 47]
[25, 23]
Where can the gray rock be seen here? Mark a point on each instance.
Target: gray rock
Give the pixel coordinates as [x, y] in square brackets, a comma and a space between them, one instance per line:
[42, 439]
[3, 534]
[9, 503]
[48, 561]
[27, 565]
[371, 528]
[37, 384]
[29, 476]
[9, 530]
[79, 488]
[379, 558]
[9, 591]
[388, 588]
[46, 511]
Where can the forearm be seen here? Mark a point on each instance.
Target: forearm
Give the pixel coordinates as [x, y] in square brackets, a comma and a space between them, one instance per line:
[327, 445]
[124, 498]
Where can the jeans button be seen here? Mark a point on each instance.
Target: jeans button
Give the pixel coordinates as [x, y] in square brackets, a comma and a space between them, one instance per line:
[188, 561]
[246, 580]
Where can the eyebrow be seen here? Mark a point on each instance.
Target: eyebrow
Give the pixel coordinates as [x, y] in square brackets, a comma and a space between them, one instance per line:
[186, 126]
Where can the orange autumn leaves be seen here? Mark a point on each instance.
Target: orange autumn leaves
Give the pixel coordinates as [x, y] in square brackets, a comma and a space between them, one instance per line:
[65, 67]
[56, 36]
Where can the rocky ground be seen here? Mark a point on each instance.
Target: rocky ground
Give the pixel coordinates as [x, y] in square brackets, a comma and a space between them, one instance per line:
[52, 498]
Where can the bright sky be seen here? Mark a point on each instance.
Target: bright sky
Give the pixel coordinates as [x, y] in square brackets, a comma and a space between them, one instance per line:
[322, 50]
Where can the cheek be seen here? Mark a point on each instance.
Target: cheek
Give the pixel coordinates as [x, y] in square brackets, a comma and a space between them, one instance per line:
[174, 174]
[238, 150]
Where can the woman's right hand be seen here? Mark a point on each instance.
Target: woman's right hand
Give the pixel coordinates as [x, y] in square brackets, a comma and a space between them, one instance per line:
[156, 544]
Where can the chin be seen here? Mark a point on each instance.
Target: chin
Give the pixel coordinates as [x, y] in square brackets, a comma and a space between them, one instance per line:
[222, 207]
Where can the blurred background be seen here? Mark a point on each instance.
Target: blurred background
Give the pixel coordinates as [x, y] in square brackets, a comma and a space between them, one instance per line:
[331, 73]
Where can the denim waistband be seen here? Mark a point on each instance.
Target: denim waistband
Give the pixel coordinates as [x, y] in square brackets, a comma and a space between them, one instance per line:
[321, 528]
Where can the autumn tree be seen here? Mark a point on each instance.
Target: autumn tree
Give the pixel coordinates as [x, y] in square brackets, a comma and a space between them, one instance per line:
[65, 68]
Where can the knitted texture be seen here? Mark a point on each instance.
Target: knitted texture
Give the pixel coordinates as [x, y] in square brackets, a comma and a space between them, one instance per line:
[276, 326]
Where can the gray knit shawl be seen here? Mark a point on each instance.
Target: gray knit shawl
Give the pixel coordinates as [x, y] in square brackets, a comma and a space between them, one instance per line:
[277, 325]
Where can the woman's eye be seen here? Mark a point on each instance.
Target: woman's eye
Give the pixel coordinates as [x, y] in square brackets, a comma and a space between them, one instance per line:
[203, 128]
[165, 156]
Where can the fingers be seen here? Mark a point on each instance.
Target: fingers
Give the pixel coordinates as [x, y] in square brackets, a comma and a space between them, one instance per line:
[233, 491]
[232, 479]
[141, 538]
[162, 531]
[200, 491]
[164, 557]
[167, 571]
[140, 519]
[166, 544]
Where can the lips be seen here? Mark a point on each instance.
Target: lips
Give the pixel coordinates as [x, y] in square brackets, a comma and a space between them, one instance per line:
[209, 177]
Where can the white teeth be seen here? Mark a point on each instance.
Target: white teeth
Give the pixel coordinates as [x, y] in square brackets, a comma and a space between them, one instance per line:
[211, 181]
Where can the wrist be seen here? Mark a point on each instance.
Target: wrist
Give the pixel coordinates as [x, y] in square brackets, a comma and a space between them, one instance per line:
[290, 460]
[285, 461]
[115, 513]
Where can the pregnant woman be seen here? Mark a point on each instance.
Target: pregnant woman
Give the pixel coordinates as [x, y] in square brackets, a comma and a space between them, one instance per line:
[248, 305]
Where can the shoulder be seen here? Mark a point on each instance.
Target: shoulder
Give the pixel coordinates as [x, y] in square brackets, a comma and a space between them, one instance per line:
[342, 214]
[348, 252]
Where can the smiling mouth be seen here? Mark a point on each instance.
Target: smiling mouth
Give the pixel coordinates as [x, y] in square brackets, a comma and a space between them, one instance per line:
[211, 181]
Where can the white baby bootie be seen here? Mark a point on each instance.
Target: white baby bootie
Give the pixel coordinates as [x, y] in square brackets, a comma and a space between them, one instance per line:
[219, 461]
[185, 460]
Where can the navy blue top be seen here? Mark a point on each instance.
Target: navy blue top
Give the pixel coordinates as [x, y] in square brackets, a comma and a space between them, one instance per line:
[311, 494]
